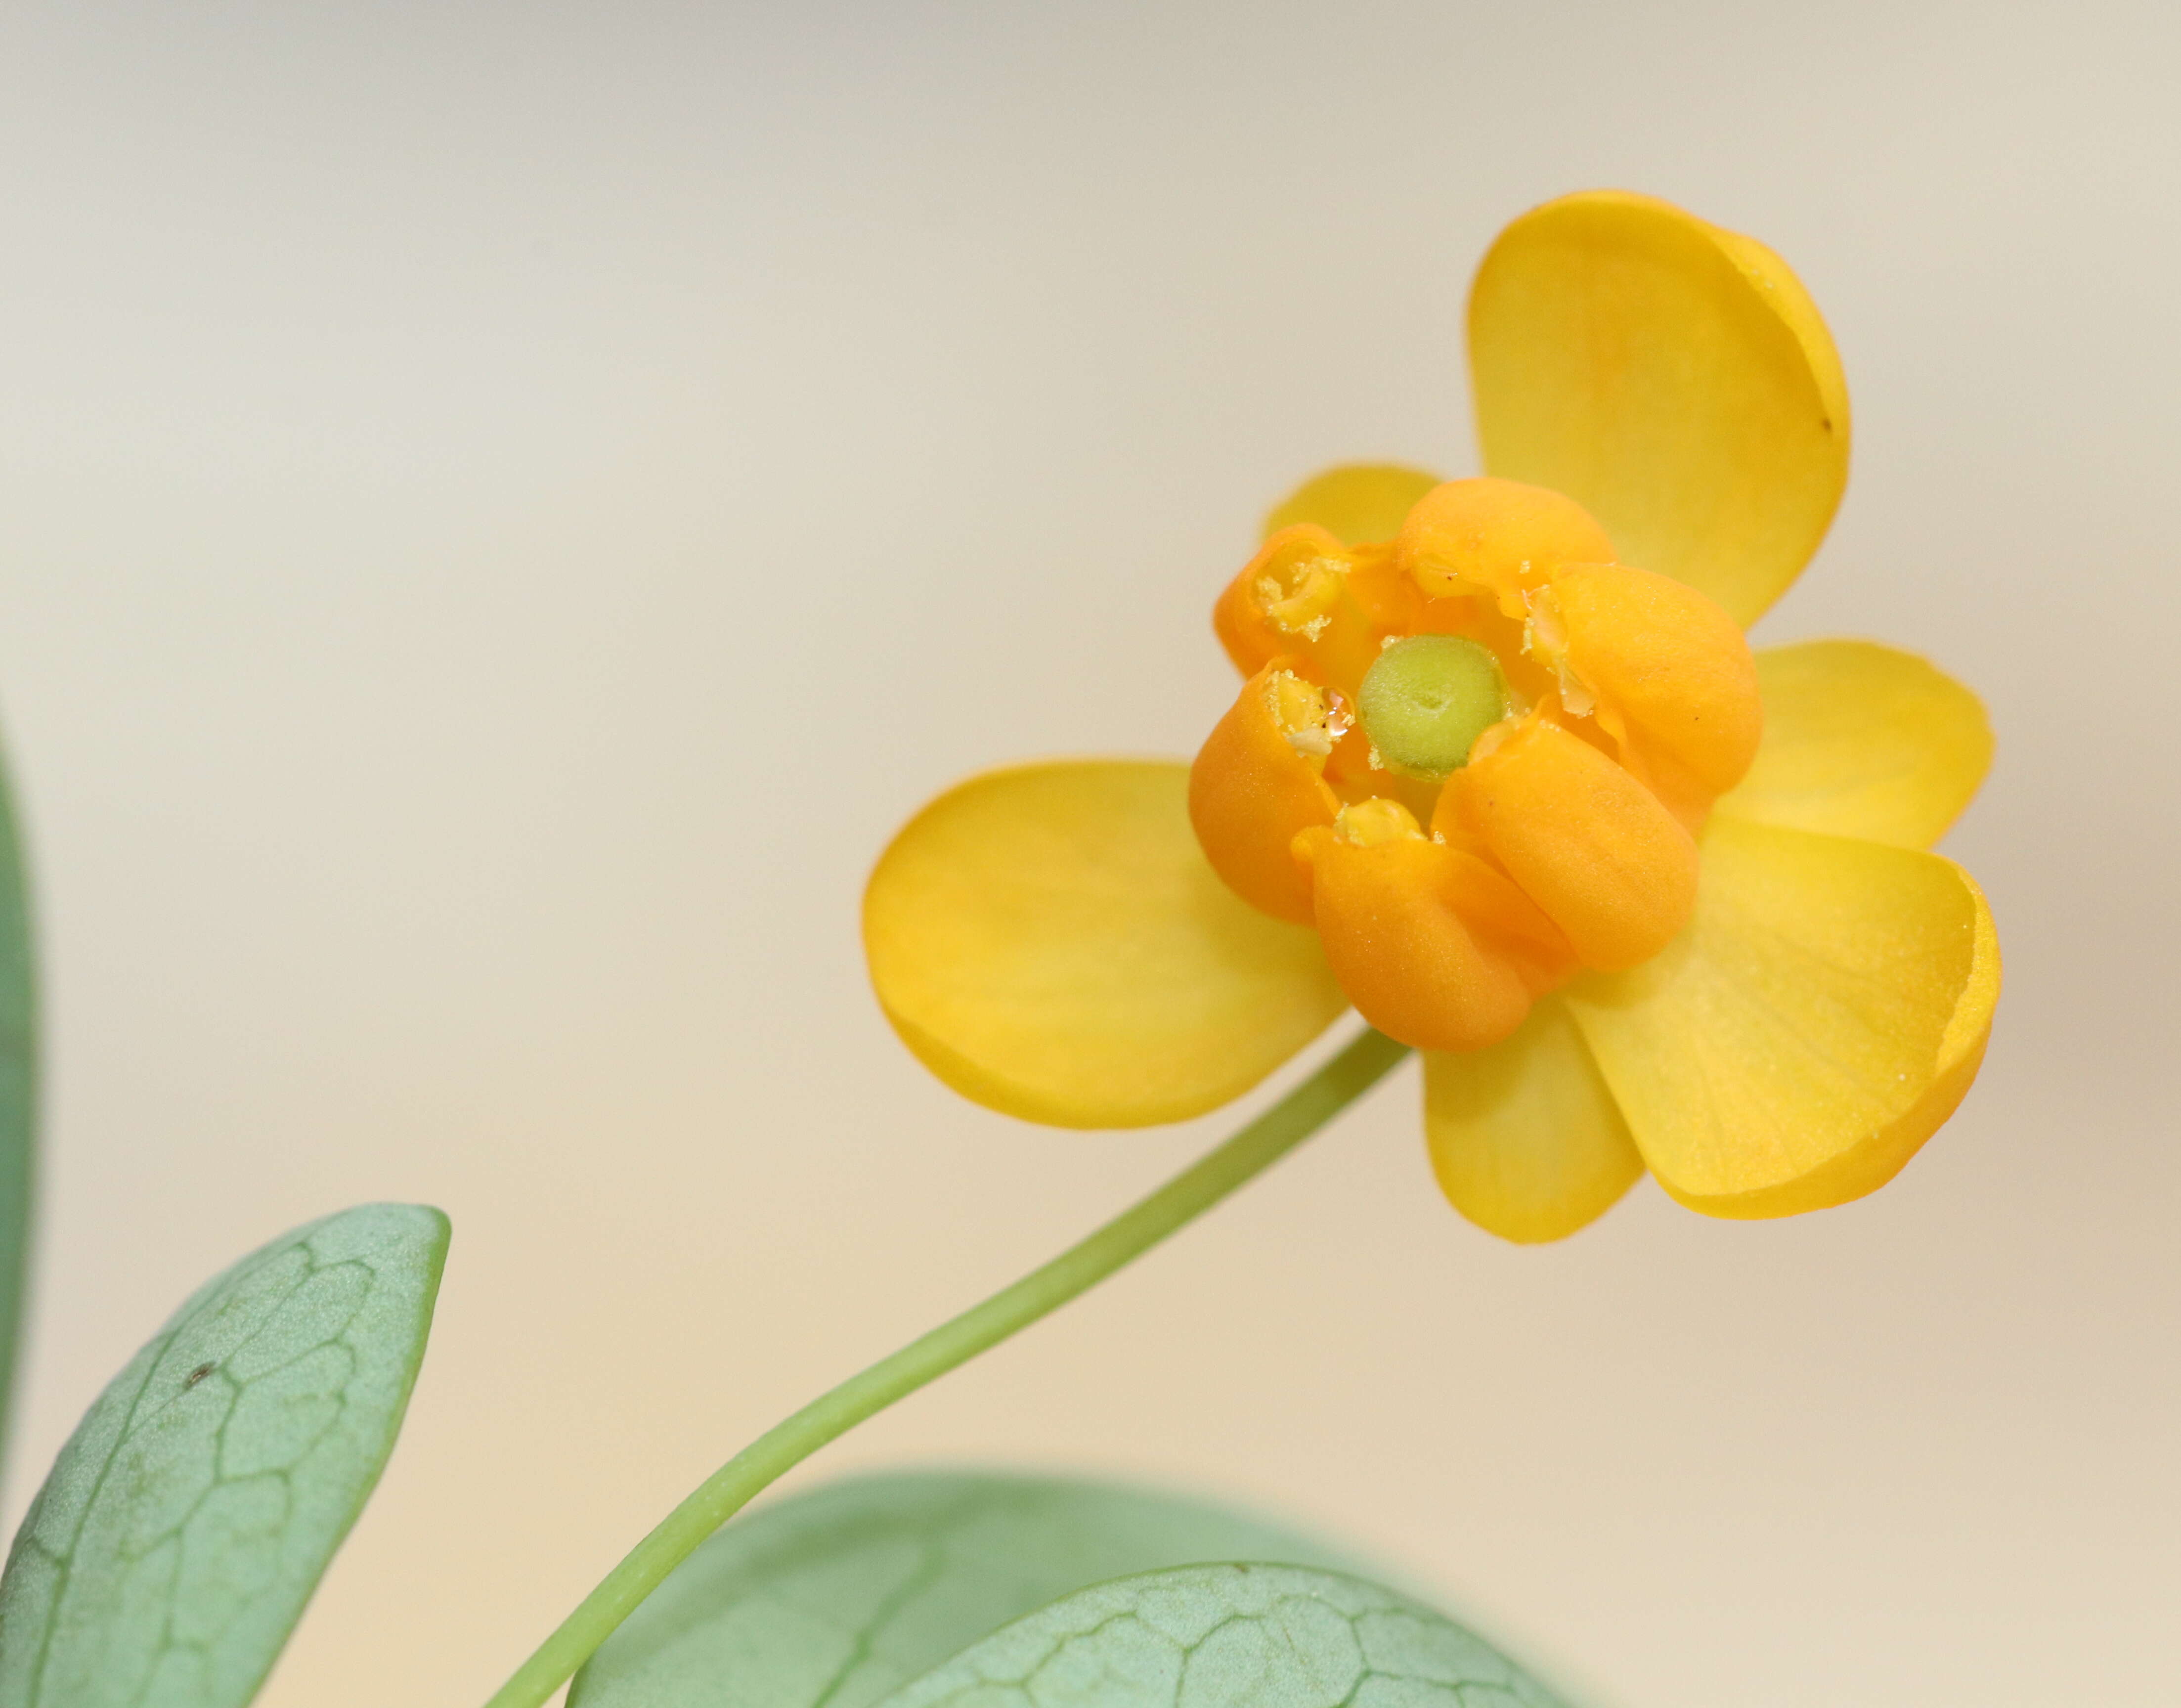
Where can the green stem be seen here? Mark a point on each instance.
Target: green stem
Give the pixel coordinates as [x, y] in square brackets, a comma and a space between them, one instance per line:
[1076, 1270]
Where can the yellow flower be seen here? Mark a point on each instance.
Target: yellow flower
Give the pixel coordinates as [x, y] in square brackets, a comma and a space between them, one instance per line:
[1496, 777]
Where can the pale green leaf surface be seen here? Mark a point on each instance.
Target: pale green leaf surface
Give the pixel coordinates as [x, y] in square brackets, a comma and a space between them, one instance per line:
[18, 1092]
[1230, 1636]
[189, 1517]
[831, 1598]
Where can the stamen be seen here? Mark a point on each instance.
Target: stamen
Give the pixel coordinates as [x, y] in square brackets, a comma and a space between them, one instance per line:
[1426, 699]
[1308, 608]
[1377, 821]
[1299, 712]
[1545, 638]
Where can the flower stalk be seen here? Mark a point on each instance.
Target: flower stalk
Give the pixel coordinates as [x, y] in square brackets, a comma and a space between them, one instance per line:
[1345, 1077]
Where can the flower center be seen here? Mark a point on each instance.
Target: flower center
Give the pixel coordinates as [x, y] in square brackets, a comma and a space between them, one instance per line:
[1538, 731]
[1424, 701]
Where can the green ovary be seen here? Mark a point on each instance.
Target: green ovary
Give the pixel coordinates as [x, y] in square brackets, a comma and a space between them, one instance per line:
[1424, 701]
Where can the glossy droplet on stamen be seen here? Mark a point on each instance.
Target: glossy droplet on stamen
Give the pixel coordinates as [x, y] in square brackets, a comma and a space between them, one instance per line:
[1299, 709]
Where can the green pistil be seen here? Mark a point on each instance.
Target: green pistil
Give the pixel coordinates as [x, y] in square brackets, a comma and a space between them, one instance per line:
[1427, 699]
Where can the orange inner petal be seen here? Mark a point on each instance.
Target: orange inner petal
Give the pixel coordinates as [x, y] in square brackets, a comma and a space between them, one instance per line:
[1255, 786]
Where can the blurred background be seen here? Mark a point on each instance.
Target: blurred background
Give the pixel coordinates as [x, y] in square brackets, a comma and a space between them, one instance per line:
[504, 509]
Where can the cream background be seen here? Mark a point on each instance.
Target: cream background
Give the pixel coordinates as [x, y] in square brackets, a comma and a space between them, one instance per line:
[503, 509]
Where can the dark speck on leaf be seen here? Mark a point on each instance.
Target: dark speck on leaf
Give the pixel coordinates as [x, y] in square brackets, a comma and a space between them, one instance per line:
[198, 1374]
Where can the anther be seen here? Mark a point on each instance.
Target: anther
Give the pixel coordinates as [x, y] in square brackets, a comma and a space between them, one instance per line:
[1545, 638]
[1300, 713]
[1377, 821]
[1304, 606]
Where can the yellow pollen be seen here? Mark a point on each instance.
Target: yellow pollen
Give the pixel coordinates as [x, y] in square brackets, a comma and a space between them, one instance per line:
[1299, 710]
[1309, 608]
[1377, 821]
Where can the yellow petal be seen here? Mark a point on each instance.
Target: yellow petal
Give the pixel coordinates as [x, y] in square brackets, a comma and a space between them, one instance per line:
[1050, 942]
[1819, 1019]
[1360, 503]
[1673, 378]
[1525, 1138]
[1861, 740]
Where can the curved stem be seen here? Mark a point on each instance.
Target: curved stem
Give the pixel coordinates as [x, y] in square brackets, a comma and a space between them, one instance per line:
[1076, 1270]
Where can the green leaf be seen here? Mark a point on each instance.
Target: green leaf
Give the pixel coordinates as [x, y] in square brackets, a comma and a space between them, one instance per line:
[1230, 1636]
[834, 1598]
[837, 1596]
[19, 1092]
[189, 1517]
